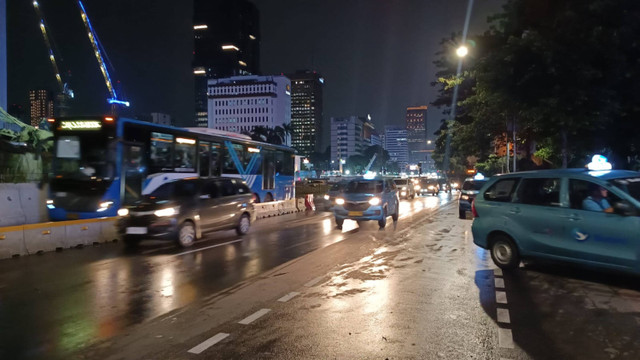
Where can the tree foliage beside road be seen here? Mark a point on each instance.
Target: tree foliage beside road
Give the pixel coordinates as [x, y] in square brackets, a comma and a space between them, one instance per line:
[563, 71]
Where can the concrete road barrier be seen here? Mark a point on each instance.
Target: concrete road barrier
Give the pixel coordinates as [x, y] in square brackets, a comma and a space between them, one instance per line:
[35, 238]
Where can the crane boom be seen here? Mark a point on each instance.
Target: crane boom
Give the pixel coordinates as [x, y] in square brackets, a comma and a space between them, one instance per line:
[45, 35]
[93, 39]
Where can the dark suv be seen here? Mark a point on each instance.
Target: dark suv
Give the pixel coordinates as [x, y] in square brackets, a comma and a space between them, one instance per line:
[183, 210]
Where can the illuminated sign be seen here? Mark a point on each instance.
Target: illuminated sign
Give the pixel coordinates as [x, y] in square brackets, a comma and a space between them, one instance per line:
[80, 125]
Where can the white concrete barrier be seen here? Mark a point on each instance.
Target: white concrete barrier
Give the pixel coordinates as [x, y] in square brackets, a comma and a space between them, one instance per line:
[12, 242]
[44, 237]
[33, 203]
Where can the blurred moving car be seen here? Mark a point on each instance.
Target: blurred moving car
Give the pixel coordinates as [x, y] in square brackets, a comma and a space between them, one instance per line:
[406, 188]
[429, 186]
[185, 209]
[468, 192]
[574, 215]
[336, 189]
[367, 199]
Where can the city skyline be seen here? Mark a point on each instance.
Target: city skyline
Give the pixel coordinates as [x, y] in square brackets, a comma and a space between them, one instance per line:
[151, 47]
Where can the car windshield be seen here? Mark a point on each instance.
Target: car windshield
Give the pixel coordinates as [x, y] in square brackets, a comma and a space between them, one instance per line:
[364, 187]
[338, 186]
[473, 185]
[629, 185]
[174, 191]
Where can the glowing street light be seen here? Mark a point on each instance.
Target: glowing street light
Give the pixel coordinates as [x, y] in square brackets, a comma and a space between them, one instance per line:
[462, 51]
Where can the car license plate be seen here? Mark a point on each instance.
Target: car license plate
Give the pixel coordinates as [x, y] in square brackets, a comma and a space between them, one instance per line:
[136, 230]
[355, 213]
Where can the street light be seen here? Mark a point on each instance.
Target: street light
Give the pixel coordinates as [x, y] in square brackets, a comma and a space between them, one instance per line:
[462, 51]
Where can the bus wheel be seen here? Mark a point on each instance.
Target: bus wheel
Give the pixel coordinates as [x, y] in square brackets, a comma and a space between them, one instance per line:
[268, 198]
[256, 198]
[186, 234]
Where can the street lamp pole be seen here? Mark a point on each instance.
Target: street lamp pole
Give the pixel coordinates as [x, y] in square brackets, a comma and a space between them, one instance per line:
[462, 51]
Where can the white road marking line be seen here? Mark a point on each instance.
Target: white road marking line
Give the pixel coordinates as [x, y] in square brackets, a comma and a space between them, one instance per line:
[501, 297]
[497, 272]
[253, 317]
[208, 247]
[505, 338]
[314, 281]
[499, 282]
[503, 316]
[288, 297]
[208, 343]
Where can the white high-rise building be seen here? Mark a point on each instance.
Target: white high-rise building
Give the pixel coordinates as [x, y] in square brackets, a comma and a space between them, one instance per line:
[349, 136]
[240, 103]
[396, 145]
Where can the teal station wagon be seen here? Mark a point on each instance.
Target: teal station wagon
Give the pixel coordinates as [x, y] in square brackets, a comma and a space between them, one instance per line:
[574, 215]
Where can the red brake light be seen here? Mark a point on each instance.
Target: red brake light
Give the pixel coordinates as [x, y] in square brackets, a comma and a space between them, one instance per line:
[473, 209]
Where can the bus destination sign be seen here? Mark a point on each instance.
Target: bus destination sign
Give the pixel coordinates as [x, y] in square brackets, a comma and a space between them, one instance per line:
[80, 125]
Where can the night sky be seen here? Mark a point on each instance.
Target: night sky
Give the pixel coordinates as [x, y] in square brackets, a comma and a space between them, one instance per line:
[376, 55]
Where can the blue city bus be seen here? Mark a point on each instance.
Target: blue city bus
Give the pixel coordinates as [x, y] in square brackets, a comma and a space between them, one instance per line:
[102, 163]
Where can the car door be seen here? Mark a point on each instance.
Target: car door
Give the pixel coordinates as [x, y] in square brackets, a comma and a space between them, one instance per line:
[597, 236]
[227, 211]
[210, 202]
[536, 213]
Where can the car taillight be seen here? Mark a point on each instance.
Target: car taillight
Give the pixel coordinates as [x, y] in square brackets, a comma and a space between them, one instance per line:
[473, 209]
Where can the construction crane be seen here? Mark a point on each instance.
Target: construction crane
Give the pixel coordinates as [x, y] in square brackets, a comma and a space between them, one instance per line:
[98, 50]
[65, 93]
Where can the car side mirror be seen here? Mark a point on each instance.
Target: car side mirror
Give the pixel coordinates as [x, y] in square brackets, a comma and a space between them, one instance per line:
[624, 208]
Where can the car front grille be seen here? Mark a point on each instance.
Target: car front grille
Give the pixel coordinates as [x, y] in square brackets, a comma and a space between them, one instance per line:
[356, 206]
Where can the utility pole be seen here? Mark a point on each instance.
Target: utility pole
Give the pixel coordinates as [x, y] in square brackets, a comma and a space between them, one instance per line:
[514, 145]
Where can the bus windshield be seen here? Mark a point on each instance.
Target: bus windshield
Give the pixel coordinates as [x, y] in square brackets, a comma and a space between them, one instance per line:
[85, 156]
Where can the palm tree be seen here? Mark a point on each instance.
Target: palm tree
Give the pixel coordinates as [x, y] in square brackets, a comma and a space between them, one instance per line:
[260, 133]
[288, 131]
[276, 135]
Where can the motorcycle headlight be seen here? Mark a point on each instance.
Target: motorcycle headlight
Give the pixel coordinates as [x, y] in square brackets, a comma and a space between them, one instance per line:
[327, 197]
[464, 197]
[340, 201]
[123, 212]
[165, 212]
[374, 201]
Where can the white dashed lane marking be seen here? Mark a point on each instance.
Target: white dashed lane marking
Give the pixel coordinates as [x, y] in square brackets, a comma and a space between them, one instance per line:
[313, 282]
[288, 297]
[208, 247]
[253, 317]
[503, 316]
[208, 343]
[499, 282]
[501, 297]
[505, 339]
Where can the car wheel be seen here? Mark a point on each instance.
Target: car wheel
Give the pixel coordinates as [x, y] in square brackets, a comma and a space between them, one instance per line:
[383, 222]
[186, 234]
[462, 214]
[339, 223]
[243, 225]
[504, 252]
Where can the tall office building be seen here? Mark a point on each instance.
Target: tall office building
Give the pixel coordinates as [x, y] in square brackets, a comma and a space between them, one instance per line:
[349, 136]
[226, 43]
[417, 133]
[396, 145]
[40, 106]
[240, 103]
[3, 54]
[161, 118]
[306, 112]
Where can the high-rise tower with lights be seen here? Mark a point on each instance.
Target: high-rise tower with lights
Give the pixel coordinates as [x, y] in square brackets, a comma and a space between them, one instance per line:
[306, 112]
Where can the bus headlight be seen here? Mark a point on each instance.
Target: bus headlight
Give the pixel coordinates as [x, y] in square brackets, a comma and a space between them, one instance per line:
[340, 201]
[123, 212]
[50, 204]
[165, 212]
[374, 201]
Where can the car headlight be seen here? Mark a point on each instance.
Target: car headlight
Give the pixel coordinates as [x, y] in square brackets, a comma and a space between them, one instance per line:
[417, 187]
[123, 212]
[165, 212]
[404, 188]
[464, 197]
[403, 193]
[455, 185]
[374, 201]
[327, 197]
[340, 201]
[431, 187]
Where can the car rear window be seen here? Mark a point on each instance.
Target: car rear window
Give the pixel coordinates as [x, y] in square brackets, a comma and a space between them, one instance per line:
[501, 190]
[473, 184]
[364, 187]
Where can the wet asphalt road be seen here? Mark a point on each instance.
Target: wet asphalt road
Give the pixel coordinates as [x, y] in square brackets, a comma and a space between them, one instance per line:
[296, 287]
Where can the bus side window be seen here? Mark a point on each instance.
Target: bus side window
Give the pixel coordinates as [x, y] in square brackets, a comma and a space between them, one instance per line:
[161, 149]
[185, 154]
[205, 158]
[215, 159]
